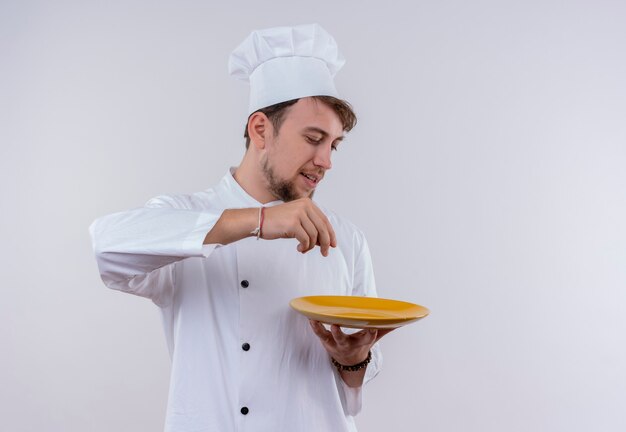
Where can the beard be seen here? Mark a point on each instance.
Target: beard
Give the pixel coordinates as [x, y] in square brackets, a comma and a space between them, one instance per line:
[284, 190]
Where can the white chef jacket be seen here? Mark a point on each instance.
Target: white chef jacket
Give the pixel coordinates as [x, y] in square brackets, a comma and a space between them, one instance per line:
[215, 298]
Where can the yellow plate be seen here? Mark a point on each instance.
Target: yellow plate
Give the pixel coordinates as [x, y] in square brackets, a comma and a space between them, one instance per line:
[359, 312]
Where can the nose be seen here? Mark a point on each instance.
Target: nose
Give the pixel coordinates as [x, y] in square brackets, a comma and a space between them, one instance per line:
[322, 157]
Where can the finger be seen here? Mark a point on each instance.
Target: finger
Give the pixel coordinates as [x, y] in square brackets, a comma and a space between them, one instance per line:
[365, 333]
[365, 337]
[329, 227]
[311, 231]
[303, 237]
[323, 236]
[320, 331]
[340, 337]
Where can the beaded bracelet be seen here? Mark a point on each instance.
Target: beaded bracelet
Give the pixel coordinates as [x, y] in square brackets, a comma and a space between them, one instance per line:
[352, 368]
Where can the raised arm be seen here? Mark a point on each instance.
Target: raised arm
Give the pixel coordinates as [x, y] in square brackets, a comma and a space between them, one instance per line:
[134, 249]
[300, 219]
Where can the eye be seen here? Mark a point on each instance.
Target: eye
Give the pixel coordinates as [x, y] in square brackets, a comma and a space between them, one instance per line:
[335, 147]
[313, 140]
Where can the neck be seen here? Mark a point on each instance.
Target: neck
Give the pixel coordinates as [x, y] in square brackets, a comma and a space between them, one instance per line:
[250, 177]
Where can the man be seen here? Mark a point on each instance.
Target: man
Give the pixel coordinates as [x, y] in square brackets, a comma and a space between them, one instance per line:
[223, 264]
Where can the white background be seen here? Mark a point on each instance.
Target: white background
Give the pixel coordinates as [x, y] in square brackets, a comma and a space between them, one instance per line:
[487, 171]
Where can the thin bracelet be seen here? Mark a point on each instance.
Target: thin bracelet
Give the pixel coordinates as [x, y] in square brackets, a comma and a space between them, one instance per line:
[257, 231]
[261, 223]
[352, 368]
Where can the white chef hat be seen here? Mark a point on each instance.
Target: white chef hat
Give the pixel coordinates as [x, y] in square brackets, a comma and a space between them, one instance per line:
[285, 63]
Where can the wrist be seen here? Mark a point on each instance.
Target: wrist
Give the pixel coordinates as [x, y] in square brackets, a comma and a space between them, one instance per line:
[258, 231]
[352, 367]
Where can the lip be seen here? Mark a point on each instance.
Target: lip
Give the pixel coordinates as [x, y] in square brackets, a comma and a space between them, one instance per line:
[309, 183]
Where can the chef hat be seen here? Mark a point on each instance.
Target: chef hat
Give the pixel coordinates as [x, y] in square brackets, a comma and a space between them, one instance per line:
[285, 63]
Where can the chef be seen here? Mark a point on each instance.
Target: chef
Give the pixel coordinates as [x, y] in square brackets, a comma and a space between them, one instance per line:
[222, 264]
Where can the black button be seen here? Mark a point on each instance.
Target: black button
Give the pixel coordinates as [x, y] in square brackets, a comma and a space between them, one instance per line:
[245, 346]
[245, 284]
[245, 410]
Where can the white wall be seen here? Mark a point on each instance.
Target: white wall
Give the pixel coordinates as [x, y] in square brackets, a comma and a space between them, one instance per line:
[487, 170]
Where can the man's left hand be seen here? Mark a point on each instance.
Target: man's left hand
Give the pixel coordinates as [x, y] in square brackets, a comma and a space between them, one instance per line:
[347, 349]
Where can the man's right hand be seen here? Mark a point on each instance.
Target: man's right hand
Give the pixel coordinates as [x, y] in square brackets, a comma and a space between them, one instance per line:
[300, 219]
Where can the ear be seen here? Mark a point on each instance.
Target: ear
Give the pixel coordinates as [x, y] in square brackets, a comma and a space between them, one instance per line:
[258, 128]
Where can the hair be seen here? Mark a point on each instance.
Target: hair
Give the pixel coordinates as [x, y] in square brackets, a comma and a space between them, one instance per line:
[276, 113]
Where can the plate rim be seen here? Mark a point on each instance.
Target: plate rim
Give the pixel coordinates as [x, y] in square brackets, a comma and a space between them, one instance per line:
[372, 321]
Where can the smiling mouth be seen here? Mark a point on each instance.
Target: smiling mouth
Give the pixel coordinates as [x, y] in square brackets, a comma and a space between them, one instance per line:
[314, 180]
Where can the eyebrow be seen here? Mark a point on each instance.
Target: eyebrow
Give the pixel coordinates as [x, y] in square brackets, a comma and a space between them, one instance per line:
[320, 131]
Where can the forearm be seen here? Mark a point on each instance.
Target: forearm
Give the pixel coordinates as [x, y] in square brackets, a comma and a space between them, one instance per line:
[233, 225]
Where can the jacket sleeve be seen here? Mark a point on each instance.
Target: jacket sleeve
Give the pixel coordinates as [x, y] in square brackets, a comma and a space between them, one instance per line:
[136, 250]
[364, 285]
